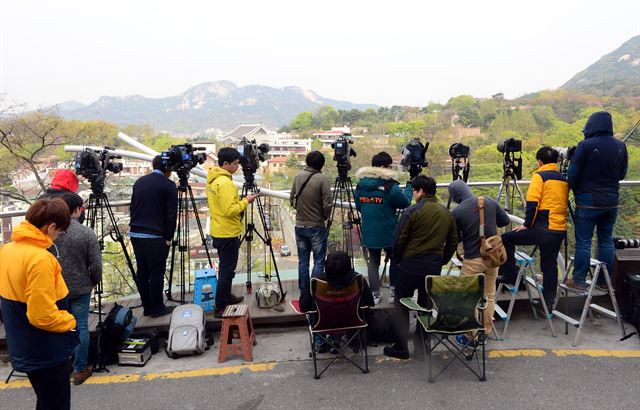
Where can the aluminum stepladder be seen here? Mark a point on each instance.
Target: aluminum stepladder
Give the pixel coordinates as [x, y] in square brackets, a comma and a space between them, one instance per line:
[525, 265]
[596, 268]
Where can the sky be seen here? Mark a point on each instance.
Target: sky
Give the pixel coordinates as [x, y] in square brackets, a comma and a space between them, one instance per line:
[380, 52]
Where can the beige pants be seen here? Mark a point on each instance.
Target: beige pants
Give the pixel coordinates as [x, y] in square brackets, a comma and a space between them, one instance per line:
[473, 267]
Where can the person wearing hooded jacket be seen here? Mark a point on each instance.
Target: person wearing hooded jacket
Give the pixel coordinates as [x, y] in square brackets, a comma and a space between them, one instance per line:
[226, 210]
[598, 164]
[467, 218]
[378, 197]
[40, 331]
[63, 181]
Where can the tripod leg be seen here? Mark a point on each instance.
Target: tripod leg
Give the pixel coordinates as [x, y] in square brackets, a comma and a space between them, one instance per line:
[202, 236]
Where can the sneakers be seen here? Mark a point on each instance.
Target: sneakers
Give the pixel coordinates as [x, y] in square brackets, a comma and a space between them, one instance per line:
[463, 341]
[396, 351]
[602, 286]
[377, 298]
[234, 300]
[81, 377]
[392, 294]
[319, 345]
[576, 286]
[166, 310]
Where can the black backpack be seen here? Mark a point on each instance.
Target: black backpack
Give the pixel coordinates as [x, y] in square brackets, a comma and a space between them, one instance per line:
[379, 326]
[631, 306]
[117, 326]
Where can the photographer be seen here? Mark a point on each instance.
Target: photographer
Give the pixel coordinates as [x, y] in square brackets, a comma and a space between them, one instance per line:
[467, 220]
[426, 238]
[310, 196]
[595, 169]
[40, 336]
[378, 196]
[81, 262]
[153, 211]
[226, 210]
[545, 223]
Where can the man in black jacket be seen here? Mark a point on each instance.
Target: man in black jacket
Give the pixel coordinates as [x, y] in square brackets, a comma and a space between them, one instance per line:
[153, 209]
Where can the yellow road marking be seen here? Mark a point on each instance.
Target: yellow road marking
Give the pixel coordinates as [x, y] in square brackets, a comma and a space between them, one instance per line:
[116, 378]
[596, 353]
[219, 371]
[517, 353]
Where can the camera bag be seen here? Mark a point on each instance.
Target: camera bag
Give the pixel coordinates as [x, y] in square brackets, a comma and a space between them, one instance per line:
[631, 307]
[492, 251]
[186, 331]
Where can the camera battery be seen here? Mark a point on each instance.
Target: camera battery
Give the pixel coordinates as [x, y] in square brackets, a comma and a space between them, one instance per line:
[134, 352]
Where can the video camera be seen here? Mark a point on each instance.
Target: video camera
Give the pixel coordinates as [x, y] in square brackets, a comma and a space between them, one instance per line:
[564, 157]
[512, 165]
[414, 157]
[342, 152]
[459, 154]
[180, 158]
[459, 150]
[94, 164]
[509, 145]
[250, 157]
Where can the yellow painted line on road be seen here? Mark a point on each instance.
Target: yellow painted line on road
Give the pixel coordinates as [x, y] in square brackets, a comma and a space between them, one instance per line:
[516, 353]
[219, 371]
[116, 378]
[596, 353]
[135, 377]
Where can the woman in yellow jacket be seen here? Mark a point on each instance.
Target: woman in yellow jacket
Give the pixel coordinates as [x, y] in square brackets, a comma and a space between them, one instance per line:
[40, 335]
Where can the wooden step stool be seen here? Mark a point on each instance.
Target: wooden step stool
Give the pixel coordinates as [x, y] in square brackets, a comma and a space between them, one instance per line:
[236, 324]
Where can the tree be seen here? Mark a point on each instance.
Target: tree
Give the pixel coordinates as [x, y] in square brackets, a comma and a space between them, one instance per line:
[303, 121]
[325, 118]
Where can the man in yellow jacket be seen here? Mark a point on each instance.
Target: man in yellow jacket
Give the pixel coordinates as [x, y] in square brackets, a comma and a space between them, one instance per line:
[545, 223]
[40, 335]
[226, 210]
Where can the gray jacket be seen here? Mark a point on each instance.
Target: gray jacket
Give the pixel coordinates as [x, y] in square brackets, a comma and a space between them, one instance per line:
[80, 258]
[467, 217]
[313, 205]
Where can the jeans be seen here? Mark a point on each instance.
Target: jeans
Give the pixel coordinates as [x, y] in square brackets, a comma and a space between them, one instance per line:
[474, 266]
[309, 240]
[151, 260]
[373, 268]
[585, 220]
[52, 387]
[79, 308]
[228, 251]
[549, 244]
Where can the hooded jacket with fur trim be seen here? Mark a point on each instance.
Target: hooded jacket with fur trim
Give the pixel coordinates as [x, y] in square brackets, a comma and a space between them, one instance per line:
[32, 290]
[378, 198]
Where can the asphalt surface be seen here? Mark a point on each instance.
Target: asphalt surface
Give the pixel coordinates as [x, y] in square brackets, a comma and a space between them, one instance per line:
[548, 382]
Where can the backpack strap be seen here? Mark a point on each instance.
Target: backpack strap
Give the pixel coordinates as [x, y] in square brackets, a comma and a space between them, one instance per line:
[304, 185]
[481, 211]
[388, 185]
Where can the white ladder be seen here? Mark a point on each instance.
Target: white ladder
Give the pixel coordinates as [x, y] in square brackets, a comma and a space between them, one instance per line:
[596, 268]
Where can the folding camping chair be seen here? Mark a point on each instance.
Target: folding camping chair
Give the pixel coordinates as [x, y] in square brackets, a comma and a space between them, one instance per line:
[458, 308]
[338, 313]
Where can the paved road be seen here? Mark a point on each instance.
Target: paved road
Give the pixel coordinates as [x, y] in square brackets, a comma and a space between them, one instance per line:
[547, 382]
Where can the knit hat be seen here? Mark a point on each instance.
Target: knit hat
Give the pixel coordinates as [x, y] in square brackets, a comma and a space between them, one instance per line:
[65, 179]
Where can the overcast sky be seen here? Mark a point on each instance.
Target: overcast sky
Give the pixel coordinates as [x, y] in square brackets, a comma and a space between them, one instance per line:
[382, 52]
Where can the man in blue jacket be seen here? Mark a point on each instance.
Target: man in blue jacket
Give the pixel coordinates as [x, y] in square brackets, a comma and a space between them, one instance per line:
[378, 197]
[597, 166]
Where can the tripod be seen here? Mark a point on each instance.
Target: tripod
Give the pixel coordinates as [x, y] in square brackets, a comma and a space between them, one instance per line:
[185, 198]
[343, 192]
[460, 169]
[98, 202]
[512, 172]
[250, 229]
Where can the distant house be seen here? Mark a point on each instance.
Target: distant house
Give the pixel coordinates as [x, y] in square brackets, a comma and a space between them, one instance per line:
[249, 131]
[276, 165]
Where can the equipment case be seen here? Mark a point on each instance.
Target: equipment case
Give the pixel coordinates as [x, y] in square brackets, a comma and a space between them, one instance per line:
[134, 352]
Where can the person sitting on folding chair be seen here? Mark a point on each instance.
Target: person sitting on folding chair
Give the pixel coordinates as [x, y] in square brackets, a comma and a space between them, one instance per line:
[426, 238]
[339, 274]
[545, 223]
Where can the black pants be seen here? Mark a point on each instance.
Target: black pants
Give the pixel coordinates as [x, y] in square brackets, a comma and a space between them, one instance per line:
[52, 387]
[228, 249]
[549, 244]
[151, 261]
[373, 267]
[406, 285]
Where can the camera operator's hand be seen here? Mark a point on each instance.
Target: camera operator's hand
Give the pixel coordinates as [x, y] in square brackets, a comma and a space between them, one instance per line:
[520, 228]
[168, 243]
[251, 198]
